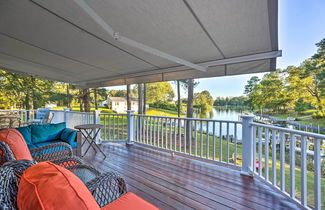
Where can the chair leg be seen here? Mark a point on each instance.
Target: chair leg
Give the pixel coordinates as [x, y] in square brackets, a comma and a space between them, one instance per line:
[79, 142]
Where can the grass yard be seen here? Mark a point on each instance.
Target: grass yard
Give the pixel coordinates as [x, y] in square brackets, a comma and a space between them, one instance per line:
[163, 112]
[304, 117]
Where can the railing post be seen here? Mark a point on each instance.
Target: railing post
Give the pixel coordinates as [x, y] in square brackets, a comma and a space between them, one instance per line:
[247, 145]
[130, 127]
[97, 121]
[65, 114]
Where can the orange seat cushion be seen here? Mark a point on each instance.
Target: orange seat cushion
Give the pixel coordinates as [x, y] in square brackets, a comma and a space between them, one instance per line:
[49, 186]
[129, 201]
[16, 142]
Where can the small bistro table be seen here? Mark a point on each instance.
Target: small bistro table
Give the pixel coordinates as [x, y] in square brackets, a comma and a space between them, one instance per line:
[87, 131]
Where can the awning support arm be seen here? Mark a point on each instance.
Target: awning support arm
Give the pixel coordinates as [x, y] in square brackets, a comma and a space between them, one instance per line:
[245, 58]
[226, 61]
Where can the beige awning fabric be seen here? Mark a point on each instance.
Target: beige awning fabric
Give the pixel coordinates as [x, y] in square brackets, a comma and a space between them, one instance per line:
[59, 40]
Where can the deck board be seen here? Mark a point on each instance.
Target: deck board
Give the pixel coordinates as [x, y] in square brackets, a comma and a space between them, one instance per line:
[182, 183]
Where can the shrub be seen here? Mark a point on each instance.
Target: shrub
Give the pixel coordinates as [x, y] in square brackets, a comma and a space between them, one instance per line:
[318, 115]
[301, 105]
[171, 107]
[310, 166]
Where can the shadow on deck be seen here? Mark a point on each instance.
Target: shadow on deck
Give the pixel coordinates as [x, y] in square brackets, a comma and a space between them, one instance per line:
[182, 183]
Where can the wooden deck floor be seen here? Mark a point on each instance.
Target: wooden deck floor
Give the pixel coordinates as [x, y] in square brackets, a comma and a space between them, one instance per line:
[182, 183]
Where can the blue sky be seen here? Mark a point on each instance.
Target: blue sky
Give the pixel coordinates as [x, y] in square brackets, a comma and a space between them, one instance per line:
[301, 25]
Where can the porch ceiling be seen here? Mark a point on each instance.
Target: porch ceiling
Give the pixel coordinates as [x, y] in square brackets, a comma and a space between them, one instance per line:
[59, 40]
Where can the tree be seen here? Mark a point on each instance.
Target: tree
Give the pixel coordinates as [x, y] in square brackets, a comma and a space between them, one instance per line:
[144, 98]
[117, 93]
[190, 91]
[86, 99]
[178, 99]
[308, 80]
[95, 99]
[204, 101]
[189, 86]
[315, 68]
[159, 92]
[68, 96]
[251, 83]
[301, 105]
[270, 93]
[128, 97]
[184, 84]
[80, 95]
[24, 91]
[140, 99]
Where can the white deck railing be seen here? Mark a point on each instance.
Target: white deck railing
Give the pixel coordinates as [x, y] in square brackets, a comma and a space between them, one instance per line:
[282, 158]
[25, 115]
[115, 127]
[73, 118]
[215, 140]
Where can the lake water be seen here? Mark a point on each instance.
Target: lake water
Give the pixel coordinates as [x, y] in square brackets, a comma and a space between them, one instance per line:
[222, 114]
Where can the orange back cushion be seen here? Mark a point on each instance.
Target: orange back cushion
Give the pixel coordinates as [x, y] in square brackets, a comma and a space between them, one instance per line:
[16, 142]
[49, 186]
[129, 201]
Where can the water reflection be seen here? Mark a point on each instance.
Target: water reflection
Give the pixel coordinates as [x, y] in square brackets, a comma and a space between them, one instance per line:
[220, 114]
[224, 128]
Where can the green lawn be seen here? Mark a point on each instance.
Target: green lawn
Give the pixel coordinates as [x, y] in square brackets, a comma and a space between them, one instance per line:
[304, 117]
[162, 112]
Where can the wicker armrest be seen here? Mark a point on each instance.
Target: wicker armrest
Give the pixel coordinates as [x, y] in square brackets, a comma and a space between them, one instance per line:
[10, 174]
[5, 153]
[107, 188]
[53, 151]
[68, 162]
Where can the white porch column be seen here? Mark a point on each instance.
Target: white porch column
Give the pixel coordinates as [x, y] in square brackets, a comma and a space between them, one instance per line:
[247, 145]
[97, 121]
[130, 139]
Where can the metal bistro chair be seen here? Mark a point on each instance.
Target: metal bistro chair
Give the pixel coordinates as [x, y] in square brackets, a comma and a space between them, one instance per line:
[105, 187]
[43, 116]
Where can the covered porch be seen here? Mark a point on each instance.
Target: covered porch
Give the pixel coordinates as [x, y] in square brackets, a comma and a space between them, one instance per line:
[174, 163]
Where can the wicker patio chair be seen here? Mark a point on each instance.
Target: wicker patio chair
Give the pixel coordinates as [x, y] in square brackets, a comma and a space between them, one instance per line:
[49, 152]
[105, 187]
[10, 174]
[6, 154]
[53, 151]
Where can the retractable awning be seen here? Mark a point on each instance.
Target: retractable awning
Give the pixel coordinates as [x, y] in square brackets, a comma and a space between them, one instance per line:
[95, 43]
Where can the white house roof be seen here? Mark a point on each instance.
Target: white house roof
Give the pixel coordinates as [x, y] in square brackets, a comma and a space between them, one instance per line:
[104, 43]
[121, 99]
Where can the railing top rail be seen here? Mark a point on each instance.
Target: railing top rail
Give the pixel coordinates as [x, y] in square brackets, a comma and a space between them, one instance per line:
[112, 114]
[76, 112]
[298, 132]
[185, 118]
[16, 110]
